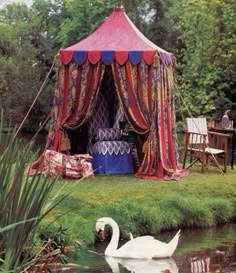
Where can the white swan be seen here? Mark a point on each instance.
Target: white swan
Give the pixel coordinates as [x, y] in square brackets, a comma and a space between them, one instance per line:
[144, 247]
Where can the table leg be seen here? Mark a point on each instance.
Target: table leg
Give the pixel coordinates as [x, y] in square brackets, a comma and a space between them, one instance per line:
[233, 149]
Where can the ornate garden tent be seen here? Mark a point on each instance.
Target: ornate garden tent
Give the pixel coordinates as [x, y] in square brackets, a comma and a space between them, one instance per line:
[143, 82]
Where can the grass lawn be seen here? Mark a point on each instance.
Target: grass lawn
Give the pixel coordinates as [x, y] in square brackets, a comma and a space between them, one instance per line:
[145, 206]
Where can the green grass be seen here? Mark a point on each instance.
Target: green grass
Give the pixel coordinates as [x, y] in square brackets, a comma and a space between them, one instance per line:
[146, 206]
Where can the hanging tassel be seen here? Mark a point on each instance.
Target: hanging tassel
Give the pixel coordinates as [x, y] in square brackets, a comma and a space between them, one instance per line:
[64, 142]
[156, 60]
[58, 61]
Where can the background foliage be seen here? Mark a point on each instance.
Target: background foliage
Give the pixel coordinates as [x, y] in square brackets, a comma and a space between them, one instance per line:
[200, 33]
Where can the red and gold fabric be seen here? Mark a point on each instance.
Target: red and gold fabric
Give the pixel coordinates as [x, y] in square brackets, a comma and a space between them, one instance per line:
[74, 98]
[146, 94]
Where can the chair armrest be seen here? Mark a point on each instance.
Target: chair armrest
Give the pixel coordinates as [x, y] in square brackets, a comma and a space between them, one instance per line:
[217, 134]
[218, 140]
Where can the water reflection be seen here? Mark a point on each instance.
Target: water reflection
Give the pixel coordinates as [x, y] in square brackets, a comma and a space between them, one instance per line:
[212, 260]
[199, 251]
[220, 259]
[142, 266]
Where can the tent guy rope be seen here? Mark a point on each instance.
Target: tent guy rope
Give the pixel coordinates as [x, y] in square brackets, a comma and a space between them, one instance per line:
[41, 126]
[39, 92]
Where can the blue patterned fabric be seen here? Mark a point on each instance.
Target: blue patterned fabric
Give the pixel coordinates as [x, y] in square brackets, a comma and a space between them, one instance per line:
[112, 164]
[100, 118]
[119, 116]
[108, 134]
[135, 56]
[107, 56]
[110, 147]
[110, 154]
[79, 57]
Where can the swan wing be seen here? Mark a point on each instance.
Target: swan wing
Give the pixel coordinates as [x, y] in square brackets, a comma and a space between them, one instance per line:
[141, 239]
[144, 247]
[145, 241]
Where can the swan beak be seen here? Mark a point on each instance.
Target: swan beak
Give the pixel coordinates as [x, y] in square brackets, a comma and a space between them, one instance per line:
[101, 235]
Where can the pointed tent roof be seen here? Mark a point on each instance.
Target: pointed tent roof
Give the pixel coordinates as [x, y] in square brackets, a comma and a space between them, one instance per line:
[116, 38]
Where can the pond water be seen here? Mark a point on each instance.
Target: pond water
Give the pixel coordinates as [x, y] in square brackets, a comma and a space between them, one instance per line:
[199, 251]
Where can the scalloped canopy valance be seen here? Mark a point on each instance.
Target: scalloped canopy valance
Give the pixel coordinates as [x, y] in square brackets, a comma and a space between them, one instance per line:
[117, 38]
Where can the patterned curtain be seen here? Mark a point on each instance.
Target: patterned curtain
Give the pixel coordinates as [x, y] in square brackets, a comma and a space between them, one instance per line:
[146, 95]
[74, 98]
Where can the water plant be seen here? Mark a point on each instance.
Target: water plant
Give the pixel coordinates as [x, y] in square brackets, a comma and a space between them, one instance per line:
[23, 204]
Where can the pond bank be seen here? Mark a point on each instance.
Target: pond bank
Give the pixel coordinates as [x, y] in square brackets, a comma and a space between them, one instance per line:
[144, 206]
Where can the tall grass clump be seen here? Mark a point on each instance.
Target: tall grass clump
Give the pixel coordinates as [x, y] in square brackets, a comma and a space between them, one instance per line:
[133, 217]
[23, 204]
[192, 211]
[222, 210]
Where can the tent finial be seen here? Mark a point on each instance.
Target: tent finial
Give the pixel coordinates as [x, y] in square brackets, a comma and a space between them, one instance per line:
[118, 7]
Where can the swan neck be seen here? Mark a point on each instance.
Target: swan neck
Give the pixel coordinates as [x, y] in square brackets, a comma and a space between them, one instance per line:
[114, 239]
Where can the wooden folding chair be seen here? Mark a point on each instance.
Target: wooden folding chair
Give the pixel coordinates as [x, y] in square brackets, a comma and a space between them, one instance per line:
[203, 146]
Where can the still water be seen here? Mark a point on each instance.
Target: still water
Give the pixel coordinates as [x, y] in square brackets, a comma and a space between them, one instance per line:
[199, 251]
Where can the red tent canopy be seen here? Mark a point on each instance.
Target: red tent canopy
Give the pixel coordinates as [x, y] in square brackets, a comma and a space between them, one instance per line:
[116, 38]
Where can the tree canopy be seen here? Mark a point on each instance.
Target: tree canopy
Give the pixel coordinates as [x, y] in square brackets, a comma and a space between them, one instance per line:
[200, 33]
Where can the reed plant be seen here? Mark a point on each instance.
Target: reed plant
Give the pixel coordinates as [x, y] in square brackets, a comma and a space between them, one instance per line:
[23, 204]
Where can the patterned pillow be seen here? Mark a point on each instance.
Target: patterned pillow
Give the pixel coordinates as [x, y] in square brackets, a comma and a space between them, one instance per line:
[108, 134]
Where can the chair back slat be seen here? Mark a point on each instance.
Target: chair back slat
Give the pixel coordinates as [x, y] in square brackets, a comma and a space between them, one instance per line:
[197, 127]
[197, 141]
